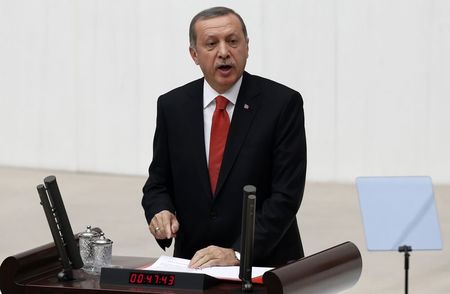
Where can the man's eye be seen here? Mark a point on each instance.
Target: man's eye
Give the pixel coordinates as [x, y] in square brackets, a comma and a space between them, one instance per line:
[210, 44]
[233, 42]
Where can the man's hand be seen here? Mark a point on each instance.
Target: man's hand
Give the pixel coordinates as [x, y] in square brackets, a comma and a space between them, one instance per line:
[164, 225]
[213, 256]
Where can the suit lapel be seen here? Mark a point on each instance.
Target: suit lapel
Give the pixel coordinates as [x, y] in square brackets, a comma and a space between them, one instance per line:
[244, 111]
[194, 112]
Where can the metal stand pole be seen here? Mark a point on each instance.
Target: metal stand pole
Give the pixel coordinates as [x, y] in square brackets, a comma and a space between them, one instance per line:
[406, 249]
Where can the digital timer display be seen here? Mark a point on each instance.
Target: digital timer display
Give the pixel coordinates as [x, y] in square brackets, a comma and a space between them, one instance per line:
[155, 279]
[139, 278]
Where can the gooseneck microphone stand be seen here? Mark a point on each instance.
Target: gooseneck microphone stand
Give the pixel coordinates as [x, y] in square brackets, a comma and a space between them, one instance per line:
[247, 237]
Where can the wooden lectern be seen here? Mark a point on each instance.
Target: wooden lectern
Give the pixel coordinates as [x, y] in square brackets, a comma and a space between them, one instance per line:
[35, 271]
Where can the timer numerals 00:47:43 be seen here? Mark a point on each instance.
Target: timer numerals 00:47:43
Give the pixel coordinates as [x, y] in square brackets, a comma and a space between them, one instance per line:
[137, 278]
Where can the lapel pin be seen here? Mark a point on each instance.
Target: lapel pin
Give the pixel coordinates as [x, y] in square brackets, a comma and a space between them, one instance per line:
[246, 106]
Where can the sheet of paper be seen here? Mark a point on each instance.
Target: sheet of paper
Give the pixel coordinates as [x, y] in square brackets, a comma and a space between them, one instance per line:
[174, 264]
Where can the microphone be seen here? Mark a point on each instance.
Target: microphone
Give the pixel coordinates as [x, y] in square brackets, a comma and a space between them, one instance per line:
[247, 237]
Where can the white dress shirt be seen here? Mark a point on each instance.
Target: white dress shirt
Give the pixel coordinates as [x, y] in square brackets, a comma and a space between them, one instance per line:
[209, 105]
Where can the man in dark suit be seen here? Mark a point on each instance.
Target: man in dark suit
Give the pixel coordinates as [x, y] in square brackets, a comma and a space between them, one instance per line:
[214, 136]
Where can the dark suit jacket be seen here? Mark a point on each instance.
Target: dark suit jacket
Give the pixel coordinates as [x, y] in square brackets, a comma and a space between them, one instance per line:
[266, 147]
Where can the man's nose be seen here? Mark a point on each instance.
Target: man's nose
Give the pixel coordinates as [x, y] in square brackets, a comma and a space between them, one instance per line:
[223, 50]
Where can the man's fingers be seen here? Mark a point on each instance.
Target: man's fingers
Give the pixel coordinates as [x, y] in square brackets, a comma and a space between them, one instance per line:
[167, 220]
[155, 230]
[162, 223]
[167, 231]
[212, 262]
[200, 257]
[175, 226]
[213, 256]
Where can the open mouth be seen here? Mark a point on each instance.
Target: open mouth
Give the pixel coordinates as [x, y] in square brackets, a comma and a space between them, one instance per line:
[224, 68]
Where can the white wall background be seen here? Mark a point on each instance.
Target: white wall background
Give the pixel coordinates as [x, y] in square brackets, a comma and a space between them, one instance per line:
[79, 80]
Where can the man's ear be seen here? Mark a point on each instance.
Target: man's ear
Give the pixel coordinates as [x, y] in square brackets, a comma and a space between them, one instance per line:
[193, 54]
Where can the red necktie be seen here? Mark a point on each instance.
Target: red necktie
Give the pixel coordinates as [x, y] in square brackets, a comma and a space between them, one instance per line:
[219, 133]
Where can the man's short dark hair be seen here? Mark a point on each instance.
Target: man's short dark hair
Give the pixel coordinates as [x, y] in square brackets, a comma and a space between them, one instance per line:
[208, 14]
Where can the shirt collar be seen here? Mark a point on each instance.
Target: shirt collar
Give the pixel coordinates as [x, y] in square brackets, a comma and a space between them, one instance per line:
[209, 94]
